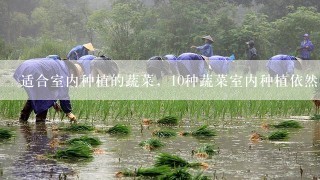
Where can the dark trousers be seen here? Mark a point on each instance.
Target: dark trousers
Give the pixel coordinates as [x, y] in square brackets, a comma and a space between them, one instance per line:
[26, 111]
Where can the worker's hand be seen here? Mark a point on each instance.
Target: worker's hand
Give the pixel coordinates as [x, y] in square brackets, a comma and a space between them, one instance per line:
[71, 117]
[57, 107]
[193, 47]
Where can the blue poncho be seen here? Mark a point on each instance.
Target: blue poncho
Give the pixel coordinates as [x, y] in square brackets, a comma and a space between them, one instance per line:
[49, 83]
[191, 64]
[85, 62]
[281, 64]
[77, 52]
[206, 50]
[219, 64]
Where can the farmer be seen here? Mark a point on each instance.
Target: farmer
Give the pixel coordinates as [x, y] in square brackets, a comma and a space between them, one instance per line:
[192, 64]
[283, 65]
[79, 51]
[251, 65]
[46, 81]
[220, 64]
[104, 66]
[158, 67]
[85, 62]
[172, 59]
[206, 49]
[306, 47]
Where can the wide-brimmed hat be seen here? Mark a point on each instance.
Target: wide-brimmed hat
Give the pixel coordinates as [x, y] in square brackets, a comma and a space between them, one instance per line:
[89, 46]
[306, 35]
[251, 42]
[208, 38]
[74, 68]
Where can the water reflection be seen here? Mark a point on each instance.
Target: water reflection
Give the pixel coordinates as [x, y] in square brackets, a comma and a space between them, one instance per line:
[32, 164]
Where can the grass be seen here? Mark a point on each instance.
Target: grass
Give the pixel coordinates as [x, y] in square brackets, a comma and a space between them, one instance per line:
[164, 133]
[76, 151]
[5, 134]
[151, 144]
[169, 120]
[278, 135]
[203, 131]
[119, 129]
[78, 128]
[288, 124]
[90, 140]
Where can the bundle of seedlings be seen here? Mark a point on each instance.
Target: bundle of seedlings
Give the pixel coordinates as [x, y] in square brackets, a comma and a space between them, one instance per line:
[169, 120]
[203, 131]
[205, 151]
[5, 134]
[145, 172]
[151, 144]
[78, 128]
[288, 124]
[315, 117]
[173, 161]
[76, 151]
[179, 173]
[278, 135]
[89, 140]
[119, 129]
[166, 133]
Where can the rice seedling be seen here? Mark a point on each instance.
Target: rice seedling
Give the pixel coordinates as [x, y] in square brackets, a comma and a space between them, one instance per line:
[5, 134]
[119, 129]
[164, 133]
[315, 117]
[145, 172]
[78, 128]
[168, 120]
[90, 140]
[165, 159]
[288, 124]
[203, 131]
[205, 151]
[278, 135]
[180, 173]
[151, 144]
[76, 151]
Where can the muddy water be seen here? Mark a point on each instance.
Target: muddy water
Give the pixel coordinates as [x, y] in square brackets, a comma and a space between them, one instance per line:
[238, 158]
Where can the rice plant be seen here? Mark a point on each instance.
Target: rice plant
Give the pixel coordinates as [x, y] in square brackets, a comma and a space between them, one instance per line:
[315, 117]
[205, 150]
[166, 159]
[5, 134]
[76, 151]
[164, 133]
[90, 140]
[278, 135]
[151, 144]
[288, 124]
[168, 120]
[119, 129]
[78, 128]
[180, 173]
[204, 131]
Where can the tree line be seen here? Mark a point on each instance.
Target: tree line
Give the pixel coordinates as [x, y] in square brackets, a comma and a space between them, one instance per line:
[124, 29]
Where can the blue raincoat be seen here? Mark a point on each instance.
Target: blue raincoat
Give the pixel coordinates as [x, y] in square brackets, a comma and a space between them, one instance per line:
[305, 52]
[219, 64]
[206, 50]
[172, 59]
[191, 64]
[281, 64]
[77, 52]
[85, 62]
[46, 86]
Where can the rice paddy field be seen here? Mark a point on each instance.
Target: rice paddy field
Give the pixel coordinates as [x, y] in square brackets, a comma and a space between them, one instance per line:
[127, 139]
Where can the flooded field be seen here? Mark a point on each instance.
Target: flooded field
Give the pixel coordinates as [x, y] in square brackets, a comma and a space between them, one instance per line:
[23, 157]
